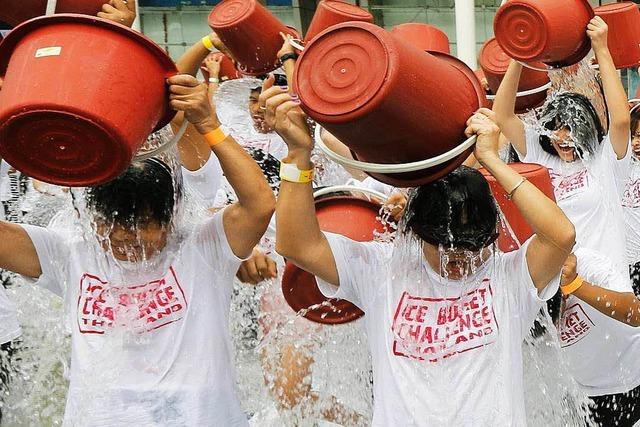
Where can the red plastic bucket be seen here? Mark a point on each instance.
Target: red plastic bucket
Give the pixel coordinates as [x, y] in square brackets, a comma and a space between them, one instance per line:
[228, 70]
[15, 12]
[333, 12]
[387, 100]
[623, 20]
[517, 230]
[251, 33]
[494, 63]
[80, 97]
[353, 217]
[423, 36]
[550, 31]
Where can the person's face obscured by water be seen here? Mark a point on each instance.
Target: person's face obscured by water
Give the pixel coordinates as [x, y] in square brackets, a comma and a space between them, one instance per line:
[635, 141]
[454, 263]
[563, 144]
[257, 114]
[133, 245]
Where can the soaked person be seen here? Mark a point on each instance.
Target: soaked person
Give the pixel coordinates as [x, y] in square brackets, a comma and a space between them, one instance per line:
[445, 313]
[149, 311]
[586, 166]
[599, 332]
[631, 202]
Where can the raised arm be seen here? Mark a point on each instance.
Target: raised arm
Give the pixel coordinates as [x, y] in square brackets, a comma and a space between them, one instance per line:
[191, 60]
[614, 93]
[122, 12]
[298, 236]
[621, 306]
[554, 233]
[245, 221]
[504, 106]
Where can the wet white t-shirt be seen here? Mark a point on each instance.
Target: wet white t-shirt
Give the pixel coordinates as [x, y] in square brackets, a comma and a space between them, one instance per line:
[631, 209]
[589, 194]
[602, 352]
[444, 353]
[206, 181]
[149, 352]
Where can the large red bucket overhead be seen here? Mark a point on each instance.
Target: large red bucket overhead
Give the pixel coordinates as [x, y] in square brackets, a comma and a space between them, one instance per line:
[353, 217]
[251, 33]
[514, 229]
[333, 12]
[15, 12]
[550, 31]
[80, 96]
[623, 20]
[423, 36]
[387, 100]
[494, 63]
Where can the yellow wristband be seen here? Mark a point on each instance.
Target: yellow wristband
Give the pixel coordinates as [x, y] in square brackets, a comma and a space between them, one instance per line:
[215, 137]
[572, 287]
[290, 173]
[206, 41]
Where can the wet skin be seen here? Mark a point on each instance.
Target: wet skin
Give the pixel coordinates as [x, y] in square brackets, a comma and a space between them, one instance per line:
[257, 114]
[459, 262]
[133, 245]
[561, 141]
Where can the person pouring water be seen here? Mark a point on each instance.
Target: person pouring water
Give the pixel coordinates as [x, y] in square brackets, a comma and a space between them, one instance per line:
[445, 312]
[148, 300]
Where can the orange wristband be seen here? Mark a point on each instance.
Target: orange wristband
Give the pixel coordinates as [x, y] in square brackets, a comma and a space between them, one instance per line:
[572, 287]
[215, 137]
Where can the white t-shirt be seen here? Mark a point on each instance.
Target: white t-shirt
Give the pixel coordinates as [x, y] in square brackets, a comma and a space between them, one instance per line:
[589, 194]
[206, 181]
[9, 326]
[149, 351]
[603, 353]
[444, 353]
[631, 209]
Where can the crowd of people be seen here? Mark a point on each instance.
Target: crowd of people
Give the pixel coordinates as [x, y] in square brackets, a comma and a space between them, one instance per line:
[145, 264]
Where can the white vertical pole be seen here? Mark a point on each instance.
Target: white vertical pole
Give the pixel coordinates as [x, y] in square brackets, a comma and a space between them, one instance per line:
[51, 7]
[136, 24]
[466, 32]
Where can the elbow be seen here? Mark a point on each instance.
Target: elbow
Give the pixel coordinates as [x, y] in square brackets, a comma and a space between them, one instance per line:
[567, 238]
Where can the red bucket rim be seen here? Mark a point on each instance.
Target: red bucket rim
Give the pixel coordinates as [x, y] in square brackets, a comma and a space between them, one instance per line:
[14, 36]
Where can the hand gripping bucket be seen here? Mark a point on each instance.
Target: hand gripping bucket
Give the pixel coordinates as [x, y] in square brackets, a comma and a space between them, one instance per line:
[80, 97]
[550, 31]
[251, 33]
[15, 12]
[333, 12]
[389, 102]
[514, 229]
[494, 63]
[423, 36]
[623, 20]
[228, 70]
[344, 210]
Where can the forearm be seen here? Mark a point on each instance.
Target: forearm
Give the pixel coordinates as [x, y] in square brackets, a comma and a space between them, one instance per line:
[190, 61]
[297, 226]
[289, 68]
[623, 307]
[213, 88]
[617, 103]
[505, 103]
[546, 219]
[192, 147]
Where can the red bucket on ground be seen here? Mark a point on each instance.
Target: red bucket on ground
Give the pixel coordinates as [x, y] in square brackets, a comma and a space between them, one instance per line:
[333, 12]
[251, 33]
[228, 70]
[550, 31]
[15, 12]
[494, 63]
[353, 217]
[387, 100]
[623, 20]
[514, 229]
[80, 96]
[423, 36]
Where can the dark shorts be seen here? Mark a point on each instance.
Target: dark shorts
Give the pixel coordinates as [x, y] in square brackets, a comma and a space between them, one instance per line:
[616, 410]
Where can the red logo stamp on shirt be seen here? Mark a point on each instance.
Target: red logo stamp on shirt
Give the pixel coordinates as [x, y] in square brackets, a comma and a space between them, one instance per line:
[567, 186]
[631, 197]
[575, 324]
[436, 328]
[140, 308]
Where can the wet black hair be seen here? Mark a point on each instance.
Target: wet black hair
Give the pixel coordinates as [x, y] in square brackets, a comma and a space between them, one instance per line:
[457, 210]
[575, 112]
[280, 80]
[635, 120]
[142, 194]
